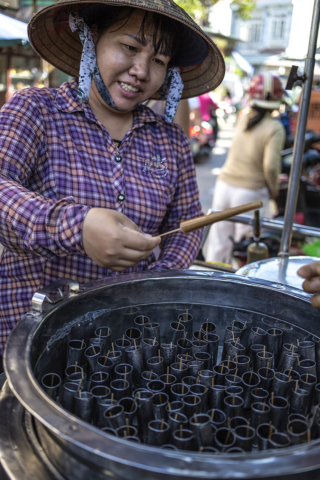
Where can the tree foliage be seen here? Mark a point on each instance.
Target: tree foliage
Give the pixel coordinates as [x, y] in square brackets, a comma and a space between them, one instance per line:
[199, 8]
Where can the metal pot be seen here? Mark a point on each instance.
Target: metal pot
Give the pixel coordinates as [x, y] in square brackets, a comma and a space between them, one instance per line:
[41, 440]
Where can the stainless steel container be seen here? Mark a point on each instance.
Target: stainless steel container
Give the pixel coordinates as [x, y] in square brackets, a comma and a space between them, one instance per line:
[40, 440]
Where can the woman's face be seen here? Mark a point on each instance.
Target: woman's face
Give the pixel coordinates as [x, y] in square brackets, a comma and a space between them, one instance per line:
[130, 69]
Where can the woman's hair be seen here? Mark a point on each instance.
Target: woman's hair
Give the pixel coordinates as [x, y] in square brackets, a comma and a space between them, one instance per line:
[259, 115]
[165, 30]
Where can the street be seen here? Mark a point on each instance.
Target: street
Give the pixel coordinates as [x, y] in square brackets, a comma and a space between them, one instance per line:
[207, 173]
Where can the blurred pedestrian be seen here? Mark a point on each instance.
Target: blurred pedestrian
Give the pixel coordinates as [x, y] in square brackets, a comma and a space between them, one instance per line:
[252, 167]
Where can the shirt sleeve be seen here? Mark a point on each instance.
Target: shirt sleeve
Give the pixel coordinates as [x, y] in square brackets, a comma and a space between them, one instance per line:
[31, 224]
[272, 158]
[179, 250]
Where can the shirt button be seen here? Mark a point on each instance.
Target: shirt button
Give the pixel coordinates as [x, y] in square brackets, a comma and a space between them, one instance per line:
[118, 158]
[121, 197]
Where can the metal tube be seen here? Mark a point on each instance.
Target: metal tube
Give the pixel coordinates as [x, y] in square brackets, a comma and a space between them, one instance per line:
[276, 225]
[298, 148]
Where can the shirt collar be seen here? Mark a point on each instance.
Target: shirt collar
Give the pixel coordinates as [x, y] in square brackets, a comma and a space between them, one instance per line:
[67, 100]
[67, 97]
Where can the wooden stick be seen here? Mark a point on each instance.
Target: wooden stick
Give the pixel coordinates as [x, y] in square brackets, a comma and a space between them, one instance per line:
[168, 374]
[270, 428]
[169, 406]
[94, 350]
[250, 379]
[272, 397]
[154, 341]
[203, 221]
[133, 404]
[296, 389]
[212, 414]
[150, 374]
[160, 356]
[76, 366]
[135, 345]
[235, 375]
[212, 382]
[123, 340]
[195, 399]
[184, 338]
[106, 359]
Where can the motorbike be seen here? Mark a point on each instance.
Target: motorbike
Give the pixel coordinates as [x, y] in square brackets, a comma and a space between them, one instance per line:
[308, 207]
[202, 141]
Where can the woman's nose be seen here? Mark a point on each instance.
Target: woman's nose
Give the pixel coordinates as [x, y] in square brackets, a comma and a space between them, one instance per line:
[140, 69]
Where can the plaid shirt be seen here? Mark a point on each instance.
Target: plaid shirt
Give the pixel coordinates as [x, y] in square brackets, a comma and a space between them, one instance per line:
[56, 162]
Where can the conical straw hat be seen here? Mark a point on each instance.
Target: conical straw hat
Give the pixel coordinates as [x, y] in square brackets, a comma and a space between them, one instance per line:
[53, 40]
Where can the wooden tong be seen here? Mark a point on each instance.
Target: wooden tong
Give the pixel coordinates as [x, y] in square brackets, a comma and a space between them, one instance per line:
[200, 222]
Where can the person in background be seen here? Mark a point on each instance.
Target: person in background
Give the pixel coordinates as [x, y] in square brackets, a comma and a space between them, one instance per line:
[89, 176]
[252, 167]
[208, 112]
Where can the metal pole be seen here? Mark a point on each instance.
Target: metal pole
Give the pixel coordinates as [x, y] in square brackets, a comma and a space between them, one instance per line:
[294, 181]
[274, 224]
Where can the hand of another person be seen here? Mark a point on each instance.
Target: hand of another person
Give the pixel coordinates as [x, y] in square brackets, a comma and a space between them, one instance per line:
[311, 273]
[113, 241]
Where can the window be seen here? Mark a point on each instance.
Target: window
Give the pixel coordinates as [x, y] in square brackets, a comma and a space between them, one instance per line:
[278, 28]
[255, 32]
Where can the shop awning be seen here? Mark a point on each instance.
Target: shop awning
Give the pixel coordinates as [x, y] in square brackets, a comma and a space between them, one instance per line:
[243, 64]
[12, 31]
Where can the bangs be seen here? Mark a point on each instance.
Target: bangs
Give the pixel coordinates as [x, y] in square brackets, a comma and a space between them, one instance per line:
[163, 30]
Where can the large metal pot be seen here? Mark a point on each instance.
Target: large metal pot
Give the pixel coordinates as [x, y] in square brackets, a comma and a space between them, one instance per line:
[40, 440]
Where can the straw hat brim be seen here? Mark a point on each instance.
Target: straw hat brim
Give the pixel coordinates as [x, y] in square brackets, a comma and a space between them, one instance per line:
[53, 40]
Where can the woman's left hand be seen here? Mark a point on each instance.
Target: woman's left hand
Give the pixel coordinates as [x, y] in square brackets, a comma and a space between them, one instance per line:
[311, 273]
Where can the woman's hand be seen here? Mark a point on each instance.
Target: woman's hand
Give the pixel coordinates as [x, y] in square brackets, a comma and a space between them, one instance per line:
[113, 241]
[311, 273]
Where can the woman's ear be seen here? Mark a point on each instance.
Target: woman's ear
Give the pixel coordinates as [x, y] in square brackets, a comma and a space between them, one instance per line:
[94, 32]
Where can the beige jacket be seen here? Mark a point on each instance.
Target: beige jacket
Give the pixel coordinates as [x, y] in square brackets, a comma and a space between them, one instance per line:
[254, 159]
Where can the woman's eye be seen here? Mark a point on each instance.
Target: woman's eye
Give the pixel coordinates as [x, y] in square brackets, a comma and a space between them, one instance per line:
[158, 61]
[130, 48]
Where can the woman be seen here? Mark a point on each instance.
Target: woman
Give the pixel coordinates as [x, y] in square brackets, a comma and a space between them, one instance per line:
[89, 176]
[253, 165]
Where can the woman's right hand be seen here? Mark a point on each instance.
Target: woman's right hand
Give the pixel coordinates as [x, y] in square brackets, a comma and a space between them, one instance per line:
[113, 241]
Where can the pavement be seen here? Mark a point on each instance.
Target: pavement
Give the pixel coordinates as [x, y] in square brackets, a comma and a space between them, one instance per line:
[208, 172]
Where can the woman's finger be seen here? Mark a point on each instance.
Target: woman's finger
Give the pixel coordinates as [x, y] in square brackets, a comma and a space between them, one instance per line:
[308, 271]
[139, 241]
[312, 285]
[315, 301]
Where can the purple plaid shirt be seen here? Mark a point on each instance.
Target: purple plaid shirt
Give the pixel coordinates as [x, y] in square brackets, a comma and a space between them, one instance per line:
[56, 162]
